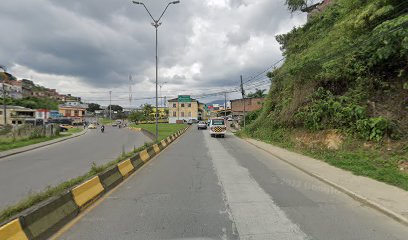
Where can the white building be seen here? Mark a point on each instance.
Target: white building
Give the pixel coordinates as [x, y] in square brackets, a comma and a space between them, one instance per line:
[13, 91]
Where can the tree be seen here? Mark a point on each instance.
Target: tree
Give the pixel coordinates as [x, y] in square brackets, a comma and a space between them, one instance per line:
[259, 93]
[297, 5]
[116, 108]
[147, 110]
[93, 106]
[136, 116]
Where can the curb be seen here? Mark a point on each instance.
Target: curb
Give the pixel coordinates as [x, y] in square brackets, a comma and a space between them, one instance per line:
[46, 218]
[399, 218]
[39, 145]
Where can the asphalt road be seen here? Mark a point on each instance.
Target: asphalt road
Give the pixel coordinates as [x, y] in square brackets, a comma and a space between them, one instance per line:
[34, 170]
[207, 188]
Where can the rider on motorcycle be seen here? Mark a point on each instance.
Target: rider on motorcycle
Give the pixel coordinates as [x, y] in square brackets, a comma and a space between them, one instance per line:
[102, 128]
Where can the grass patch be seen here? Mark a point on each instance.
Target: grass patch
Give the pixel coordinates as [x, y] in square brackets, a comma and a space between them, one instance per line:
[105, 121]
[8, 144]
[376, 162]
[74, 130]
[165, 129]
[33, 199]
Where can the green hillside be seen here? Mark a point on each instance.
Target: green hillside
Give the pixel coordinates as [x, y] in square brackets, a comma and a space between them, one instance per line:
[344, 80]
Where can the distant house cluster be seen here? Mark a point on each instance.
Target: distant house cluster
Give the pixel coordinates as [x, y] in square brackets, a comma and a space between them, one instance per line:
[18, 89]
[70, 108]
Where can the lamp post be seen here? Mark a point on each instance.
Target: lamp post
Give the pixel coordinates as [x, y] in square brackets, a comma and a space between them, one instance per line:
[156, 24]
[4, 94]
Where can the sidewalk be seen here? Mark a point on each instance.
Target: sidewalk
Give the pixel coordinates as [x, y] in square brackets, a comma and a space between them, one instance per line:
[388, 199]
[38, 145]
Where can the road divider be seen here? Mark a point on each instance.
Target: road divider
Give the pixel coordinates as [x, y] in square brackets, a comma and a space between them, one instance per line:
[44, 219]
[144, 155]
[156, 148]
[111, 178]
[126, 168]
[12, 230]
[52, 214]
[87, 191]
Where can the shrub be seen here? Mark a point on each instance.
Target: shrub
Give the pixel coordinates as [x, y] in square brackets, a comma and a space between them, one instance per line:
[328, 111]
[375, 128]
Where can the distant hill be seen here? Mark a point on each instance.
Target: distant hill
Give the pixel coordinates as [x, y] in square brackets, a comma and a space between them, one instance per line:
[221, 102]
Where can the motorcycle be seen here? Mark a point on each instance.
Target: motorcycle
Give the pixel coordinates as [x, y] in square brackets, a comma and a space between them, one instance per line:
[102, 129]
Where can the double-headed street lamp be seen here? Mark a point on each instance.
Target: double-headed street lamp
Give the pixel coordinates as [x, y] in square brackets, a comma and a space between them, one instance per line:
[156, 24]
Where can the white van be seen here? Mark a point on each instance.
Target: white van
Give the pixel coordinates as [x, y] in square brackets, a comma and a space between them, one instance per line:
[217, 127]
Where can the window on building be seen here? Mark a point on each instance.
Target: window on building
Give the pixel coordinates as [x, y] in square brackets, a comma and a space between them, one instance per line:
[182, 114]
[189, 114]
[68, 113]
[76, 113]
[182, 105]
[174, 105]
[189, 105]
[1, 112]
[174, 114]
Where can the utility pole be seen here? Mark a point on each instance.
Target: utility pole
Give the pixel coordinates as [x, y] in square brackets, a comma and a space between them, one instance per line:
[161, 98]
[225, 104]
[165, 101]
[4, 95]
[243, 97]
[156, 24]
[110, 105]
[130, 90]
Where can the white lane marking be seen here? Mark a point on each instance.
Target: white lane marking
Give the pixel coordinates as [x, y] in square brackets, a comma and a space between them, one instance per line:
[255, 214]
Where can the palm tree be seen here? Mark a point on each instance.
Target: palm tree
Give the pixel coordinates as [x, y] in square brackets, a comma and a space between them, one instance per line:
[259, 93]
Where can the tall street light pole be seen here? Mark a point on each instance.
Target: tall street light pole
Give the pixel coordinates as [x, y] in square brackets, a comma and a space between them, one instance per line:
[156, 24]
[4, 94]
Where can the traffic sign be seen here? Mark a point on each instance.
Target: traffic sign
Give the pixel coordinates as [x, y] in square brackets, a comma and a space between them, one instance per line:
[184, 98]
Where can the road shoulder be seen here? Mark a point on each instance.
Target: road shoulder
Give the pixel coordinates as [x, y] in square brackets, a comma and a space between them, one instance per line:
[385, 198]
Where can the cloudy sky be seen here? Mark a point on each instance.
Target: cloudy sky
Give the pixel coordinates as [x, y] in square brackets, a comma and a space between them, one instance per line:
[90, 47]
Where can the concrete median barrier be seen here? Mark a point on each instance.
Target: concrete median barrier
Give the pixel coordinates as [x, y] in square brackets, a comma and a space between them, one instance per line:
[163, 143]
[144, 155]
[12, 231]
[137, 162]
[110, 178]
[126, 168]
[87, 191]
[151, 151]
[47, 218]
[156, 148]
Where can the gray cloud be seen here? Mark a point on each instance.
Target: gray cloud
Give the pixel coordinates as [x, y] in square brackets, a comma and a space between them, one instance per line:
[201, 43]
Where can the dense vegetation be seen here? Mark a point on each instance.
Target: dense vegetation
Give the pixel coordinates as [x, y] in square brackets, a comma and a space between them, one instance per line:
[34, 103]
[345, 73]
[345, 69]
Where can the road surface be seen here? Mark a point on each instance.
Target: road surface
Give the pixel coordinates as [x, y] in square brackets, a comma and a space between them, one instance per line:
[207, 188]
[34, 170]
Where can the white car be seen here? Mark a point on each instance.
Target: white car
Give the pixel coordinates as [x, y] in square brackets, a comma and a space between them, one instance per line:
[201, 125]
[217, 127]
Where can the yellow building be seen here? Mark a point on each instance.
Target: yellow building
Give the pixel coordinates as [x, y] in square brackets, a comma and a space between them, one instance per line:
[162, 112]
[185, 108]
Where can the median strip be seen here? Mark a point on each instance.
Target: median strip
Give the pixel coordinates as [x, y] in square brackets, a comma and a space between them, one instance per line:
[47, 217]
